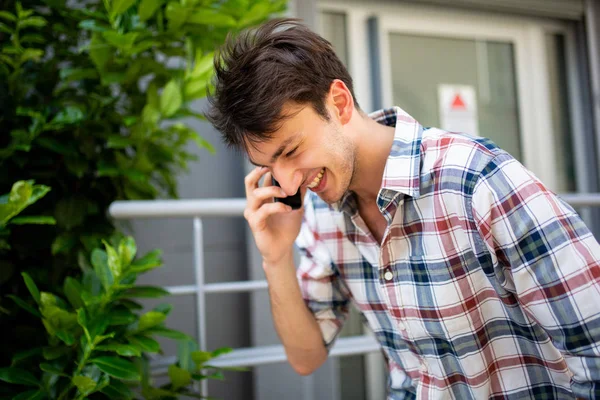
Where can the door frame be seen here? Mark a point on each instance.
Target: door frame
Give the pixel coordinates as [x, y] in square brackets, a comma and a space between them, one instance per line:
[527, 34]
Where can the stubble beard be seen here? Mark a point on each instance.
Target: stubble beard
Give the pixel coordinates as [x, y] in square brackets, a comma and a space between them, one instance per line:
[347, 166]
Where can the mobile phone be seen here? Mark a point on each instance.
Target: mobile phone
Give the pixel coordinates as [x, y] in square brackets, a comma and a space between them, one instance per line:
[294, 201]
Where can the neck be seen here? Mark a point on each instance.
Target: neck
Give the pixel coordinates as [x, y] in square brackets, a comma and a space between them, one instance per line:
[374, 142]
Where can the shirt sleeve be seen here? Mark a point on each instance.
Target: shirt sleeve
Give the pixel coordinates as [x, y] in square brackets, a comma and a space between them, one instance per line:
[543, 252]
[322, 288]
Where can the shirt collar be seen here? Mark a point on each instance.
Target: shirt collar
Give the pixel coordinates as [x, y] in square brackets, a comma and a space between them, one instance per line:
[401, 173]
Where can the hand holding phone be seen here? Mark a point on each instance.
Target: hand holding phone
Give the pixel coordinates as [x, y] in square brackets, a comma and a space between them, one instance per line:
[294, 201]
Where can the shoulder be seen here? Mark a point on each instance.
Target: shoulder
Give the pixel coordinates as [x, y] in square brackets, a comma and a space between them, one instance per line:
[455, 161]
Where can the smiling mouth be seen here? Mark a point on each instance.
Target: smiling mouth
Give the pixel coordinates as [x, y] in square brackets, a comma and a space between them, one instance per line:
[317, 179]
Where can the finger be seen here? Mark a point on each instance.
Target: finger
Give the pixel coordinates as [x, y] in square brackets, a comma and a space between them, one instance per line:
[251, 180]
[268, 181]
[258, 220]
[262, 194]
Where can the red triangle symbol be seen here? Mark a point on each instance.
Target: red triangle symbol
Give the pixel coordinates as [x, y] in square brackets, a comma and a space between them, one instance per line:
[458, 102]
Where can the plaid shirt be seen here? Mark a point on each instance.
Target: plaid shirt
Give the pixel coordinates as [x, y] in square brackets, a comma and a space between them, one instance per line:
[486, 284]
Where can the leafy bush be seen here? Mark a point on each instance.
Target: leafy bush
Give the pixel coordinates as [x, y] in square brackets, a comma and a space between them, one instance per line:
[96, 339]
[95, 101]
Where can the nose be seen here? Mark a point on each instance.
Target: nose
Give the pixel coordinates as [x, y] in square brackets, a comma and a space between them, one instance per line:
[289, 179]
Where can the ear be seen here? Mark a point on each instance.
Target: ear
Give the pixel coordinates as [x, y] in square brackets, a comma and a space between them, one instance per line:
[341, 101]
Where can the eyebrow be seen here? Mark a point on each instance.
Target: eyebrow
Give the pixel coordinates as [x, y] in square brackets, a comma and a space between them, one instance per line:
[279, 151]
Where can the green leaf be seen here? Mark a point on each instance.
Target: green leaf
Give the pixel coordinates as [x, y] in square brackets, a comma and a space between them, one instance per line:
[92, 25]
[212, 18]
[164, 308]
[100, 52]
[203, 65]
[149, 261]
[152, 95]
[203, 143]
[31, 286]
[32, 54]
[18, 376]
[184, 354]
[36, 22]
[127, 251]
[23, 355]
[257, 13]
[100, 263]
[130, 304]
[119, 142]
[24, 305]
[69, 115]
[169, 333]
[85, 384]
[32, 219]
[117, 390]
[196, 88]
[22, 195]
[150, 319]
[121, 349]
[117, 367]
[147, 9]
[170, 99]
[146, 291]
[82, 320]
[120, 6]
[221, 351]
[150, 115]
[179, 376]
[176, 15]
[97, 326]
[52, 353]
[121, 316]
[121, 41]
[66, 337]
[114, 261]
[145, 343]
[72, 289]
[6, 29]
[47, 367]
[32, 38]
[63, 243]
[8, 16]
[216, 375]
[30, 395]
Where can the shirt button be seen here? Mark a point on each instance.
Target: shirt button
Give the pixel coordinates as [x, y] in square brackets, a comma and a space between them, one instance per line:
[388, 276]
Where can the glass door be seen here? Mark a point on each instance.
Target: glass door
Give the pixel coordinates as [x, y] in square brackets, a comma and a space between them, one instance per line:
[429, 75]
[482, 74]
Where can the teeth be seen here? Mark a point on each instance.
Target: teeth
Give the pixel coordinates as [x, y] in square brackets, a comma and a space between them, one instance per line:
[317, 180]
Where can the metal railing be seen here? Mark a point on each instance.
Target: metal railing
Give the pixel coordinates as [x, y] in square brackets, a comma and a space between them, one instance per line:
[197, 209]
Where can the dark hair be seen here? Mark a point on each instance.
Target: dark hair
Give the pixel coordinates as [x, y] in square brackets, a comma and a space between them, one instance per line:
[259, 71]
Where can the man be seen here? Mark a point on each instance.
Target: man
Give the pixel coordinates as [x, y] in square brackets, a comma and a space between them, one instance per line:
[477, 281]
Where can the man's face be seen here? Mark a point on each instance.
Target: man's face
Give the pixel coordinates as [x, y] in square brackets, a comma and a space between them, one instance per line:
[308, 152]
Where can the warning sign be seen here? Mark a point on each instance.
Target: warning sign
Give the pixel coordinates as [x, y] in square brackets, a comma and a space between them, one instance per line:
[458, 108]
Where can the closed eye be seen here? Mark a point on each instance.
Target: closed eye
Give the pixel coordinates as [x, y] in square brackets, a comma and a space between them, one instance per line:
[290, 153]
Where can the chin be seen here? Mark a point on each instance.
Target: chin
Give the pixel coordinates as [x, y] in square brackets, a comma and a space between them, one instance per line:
[330, 199]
